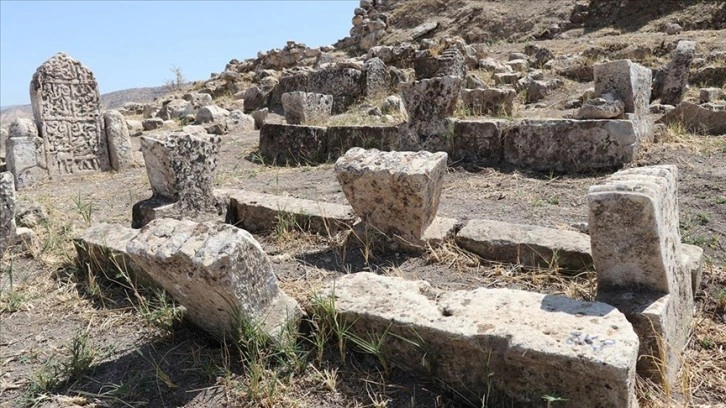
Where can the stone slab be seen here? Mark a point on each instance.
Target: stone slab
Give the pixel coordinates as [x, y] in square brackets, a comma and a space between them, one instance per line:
[478, 140]
[7, 211]
[566, 145]
[627, 81]
[505, 346]
[258, 212]
[697, 119]
[528, 245]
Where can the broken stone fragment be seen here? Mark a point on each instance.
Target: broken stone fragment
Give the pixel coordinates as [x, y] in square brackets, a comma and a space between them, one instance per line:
[119, 143]
[606, 107]
[302, 108]
[395, 192]
[218, 272]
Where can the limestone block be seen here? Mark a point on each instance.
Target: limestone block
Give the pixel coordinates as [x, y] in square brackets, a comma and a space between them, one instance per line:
[675, 79]
[258, 212]
[3, 138]
[697, 118]
[634, 229]
[152, 123]
[23, 150]
[343, 138]
[428, 103]
[527, 245]
[7, 211]
[478, 140]
[173, 109]
[691, 261]
[238, 121]
[508, 78]
[491, 101]
[102, 249]
[344, 83]
[378, 79]
[218, 272]
[569, 145]
[303, 108]
[627, 81]
[395, 192]
[293, 144]
[211, 113]
[502, 343]
[538, 90]
[182, 168]
[119, 143]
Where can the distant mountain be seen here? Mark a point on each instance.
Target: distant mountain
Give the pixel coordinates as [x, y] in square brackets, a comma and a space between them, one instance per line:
[111, 100]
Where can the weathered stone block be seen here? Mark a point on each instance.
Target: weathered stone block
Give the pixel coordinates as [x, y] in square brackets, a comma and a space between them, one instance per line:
[257, 212]
[675, 75]
[293, 143]
[343, 138]
[499, 344]
[628, 82]
[7, 211]
[634, 229]
[478, 140]
[218, 272]
[304, 108]
[527, 245]
[378, 79]
[119, 143]
[489, 101]
[570, 145]
[428, 103]
[395, 192]
[182, 168]
[23, 149]
[697, 119]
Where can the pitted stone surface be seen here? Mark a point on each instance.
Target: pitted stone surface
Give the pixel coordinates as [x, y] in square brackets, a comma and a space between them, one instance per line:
[526, 245]
[628, 82]
[23, 153]
[218, 272]
[7, 211]
[697, 118]
[569, 145]
[643, 269]
[428, 103]
[66, 106]
[478, 140]
[343, 138]
[498, 342]
[303, 108]
[119, 143]
[282, 144]
[395, 192]
[634, 229]
[182, 168]
[606, 107]
[489, 101]
[675, 78]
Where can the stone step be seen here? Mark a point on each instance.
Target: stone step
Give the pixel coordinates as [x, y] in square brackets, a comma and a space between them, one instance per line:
[499, 345]
[528, 245]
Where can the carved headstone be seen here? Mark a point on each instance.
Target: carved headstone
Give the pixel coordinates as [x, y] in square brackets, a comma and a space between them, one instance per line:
[66, 106]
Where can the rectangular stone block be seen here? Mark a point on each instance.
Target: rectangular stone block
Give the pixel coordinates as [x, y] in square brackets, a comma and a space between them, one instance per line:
[257, 212]
[478, 140]
[7, 211]
[628, 81]
[528, 245]
[396, 193]
[634, 229]
[343, 138]
[507, 347]
[306, 108]
[293, 144]
[569, 145]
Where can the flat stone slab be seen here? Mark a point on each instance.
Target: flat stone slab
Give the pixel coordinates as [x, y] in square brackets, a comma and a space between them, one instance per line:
[528, 245]
[512, 346]
[697, 119]
[256, 212]
[293, 144]
[395, 192]
[218, 272]
[568, 145]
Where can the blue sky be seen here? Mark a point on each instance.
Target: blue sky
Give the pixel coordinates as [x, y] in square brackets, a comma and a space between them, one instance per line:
[129, 44]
